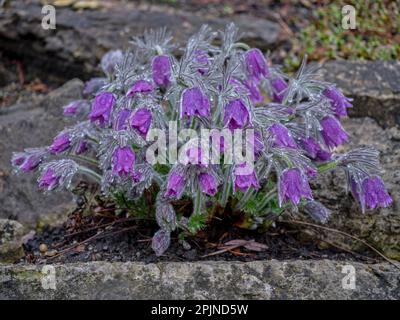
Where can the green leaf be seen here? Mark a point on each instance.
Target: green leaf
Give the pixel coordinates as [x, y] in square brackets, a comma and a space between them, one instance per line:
[196, 223]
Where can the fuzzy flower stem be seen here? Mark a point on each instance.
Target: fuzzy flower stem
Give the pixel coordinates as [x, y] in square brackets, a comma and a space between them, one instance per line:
[327, 166]
[246, 197]
[90, 173]
[93, 139]
[241, 45]
[197, 203]
[267, 198]
[174, 113]
[226, 187]
[193, 123]
[83, 158]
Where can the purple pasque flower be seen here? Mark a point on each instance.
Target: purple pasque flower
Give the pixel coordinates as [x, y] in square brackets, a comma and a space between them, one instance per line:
[31, 163]
[293, 185]
[120, 122]
[333, 132]
[317, 211]
[338, 101]
[256, 65]
[140, 86]
[195, 103]
[175, 185]
[279, 87]
[202, 58]
[61, 143]
[375, 193]
[161, 241]
[254, 92]
[18, 158]
[110, 60]
[281, 136]
[72, 108]
[49, 179]
[141, 121]
[94, 85]
[28, 160]
[101, 108]
[314, 150]
[208, 183]
[161, 67]
[244, 178]
[123, 161]
[236, 115]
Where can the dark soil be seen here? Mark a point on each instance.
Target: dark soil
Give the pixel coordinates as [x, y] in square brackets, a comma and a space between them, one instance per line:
[95, 238]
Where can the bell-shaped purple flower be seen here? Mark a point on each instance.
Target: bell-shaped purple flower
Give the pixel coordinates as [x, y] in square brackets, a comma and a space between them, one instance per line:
[256, 64]
[333, 132]
[72, 108]
[208, 183]
[175, 185]
[49, 179]
[375, 194]
[282, 137]
[245, 178]
[314, 150]
[293, 185]
[338, 101]
[141, 121]
[317, 211]
[18, 159]
[101, 108]
[61, 143]
[94, 85]
[110, 60]
[161, 241]
[31, 163]
[161, 67]
[195, 103]
[140, 86]
[121, 121]
[123, 161]
[279, 87]
[236, 115]
[29, 160]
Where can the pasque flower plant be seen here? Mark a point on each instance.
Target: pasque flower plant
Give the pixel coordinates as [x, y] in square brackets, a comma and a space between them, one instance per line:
[294, 121]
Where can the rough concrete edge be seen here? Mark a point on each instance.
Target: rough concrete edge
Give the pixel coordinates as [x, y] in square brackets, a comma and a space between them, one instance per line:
[270, 279]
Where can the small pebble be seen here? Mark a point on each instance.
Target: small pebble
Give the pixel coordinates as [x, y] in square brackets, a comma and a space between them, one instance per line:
[51, 253]
[43, 248]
